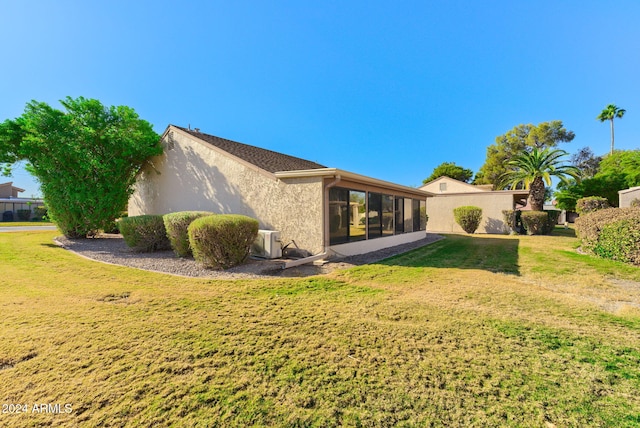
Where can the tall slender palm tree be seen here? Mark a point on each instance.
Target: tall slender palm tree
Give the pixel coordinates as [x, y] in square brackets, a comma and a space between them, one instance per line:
[534, 169]
[609, 113]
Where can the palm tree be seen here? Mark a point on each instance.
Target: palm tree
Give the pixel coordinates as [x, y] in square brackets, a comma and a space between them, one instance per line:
[534, 169]
[609, 113]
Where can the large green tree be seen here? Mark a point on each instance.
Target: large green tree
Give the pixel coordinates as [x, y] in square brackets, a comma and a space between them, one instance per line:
[610, 113]
[86, 158]
[522, 138]
[615, 172]
[534, 170]
[450, 169]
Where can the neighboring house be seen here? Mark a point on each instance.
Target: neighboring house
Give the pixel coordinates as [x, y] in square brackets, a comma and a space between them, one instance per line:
[627, 195]
[322, 210]
[450, 193]
[11, 203]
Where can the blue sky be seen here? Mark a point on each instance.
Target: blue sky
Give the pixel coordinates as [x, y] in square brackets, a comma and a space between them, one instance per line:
[385, 89]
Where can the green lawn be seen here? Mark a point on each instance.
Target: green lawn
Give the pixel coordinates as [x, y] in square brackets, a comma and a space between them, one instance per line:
[469, 331]
[25, 223]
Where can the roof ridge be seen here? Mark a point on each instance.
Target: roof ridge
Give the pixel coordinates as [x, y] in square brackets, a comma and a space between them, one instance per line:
[266, 159]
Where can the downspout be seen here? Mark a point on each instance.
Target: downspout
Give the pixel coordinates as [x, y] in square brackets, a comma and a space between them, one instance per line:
[325, 226]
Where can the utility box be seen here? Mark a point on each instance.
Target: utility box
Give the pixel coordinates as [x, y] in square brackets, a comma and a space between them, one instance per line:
[267, 245]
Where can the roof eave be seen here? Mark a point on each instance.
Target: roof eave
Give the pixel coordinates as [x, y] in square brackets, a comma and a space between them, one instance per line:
[346, 175]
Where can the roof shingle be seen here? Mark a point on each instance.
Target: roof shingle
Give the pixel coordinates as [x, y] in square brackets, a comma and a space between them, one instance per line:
[262, 158]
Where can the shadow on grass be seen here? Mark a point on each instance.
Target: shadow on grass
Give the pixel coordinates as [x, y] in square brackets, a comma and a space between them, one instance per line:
[464, 252]
[561, 231]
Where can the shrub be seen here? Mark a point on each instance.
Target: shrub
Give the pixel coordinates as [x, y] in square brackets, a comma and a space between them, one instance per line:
[552, 220]
[591, 204]
[176, 225]
[535, 222]
[23, 215]
[589, 227]
[144, 233]
[468, 217]
[222, 241]
[620, 241]
[40, 213]
[635, 203]
[512, 221]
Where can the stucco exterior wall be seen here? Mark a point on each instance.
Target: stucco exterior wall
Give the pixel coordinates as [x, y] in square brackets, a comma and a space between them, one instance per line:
[440, 211]
[452, 186]
[191, 175]
[628, 195]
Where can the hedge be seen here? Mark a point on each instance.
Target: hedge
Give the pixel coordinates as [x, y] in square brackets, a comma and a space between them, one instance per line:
[468, 217]
[590, 204]
[177, 225]
[620, 241]
[222, 241]
[535, 222]
[144, 233]
[590, 226]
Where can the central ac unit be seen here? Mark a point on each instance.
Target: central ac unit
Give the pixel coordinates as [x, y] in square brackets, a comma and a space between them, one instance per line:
[267, 245]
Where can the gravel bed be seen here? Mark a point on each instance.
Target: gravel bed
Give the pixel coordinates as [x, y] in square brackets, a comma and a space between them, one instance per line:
[111, 248]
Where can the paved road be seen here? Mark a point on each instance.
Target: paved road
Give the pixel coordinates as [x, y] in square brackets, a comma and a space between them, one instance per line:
[25, 228]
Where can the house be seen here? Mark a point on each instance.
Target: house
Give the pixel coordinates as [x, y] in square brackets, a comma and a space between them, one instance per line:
[321, 210]
[627, 195]
[12, 206]
[450, 193]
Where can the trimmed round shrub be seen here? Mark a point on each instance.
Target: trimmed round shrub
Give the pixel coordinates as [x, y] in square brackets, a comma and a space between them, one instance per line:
[552, 220]
[23, 215]
[144, 233]
[535, 222]
[177, 225]
[620, 241]
[589, 227]
[222, 241]
[590, 204]
[468, 217]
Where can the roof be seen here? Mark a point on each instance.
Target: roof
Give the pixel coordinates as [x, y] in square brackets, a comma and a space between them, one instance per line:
[262, 158]
[470, 187]
[631, 189]
[10, 183]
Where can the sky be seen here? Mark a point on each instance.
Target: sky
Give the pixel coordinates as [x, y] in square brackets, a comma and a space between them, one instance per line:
[384, 89]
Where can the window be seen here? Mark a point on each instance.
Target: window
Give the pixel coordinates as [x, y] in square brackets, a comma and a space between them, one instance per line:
[346, 216]
[356, 215]
[399, 215]
[443, 187]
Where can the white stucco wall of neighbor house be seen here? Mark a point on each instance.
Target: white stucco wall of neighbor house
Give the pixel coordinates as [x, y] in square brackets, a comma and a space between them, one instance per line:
[440, 211]
[192, 175]
[627, 195]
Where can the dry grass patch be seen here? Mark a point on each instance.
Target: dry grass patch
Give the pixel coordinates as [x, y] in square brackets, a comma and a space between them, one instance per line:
[469, 331]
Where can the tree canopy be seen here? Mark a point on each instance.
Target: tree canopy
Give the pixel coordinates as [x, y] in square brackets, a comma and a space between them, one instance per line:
[609, 113]
[615, 172]
[534, 170]
[522, 138]
[86, 158]
[450, 169]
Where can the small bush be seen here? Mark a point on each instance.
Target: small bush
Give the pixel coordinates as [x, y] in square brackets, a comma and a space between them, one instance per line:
[535, 222]
[144, 233]
[512, 221]
[552, 220]
[468, 217]
[635, 203]
[23, 215]
[40, 213]
[177, 225]
[589, 226]
[591, 204]
[222, 241]
[620, 241]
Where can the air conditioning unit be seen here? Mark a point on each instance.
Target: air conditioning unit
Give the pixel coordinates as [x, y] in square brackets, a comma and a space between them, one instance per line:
[267, 245]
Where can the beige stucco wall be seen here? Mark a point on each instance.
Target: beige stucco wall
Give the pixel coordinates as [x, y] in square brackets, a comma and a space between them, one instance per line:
[192, 175]
[440, 211]
[453, 186]
[628, 195]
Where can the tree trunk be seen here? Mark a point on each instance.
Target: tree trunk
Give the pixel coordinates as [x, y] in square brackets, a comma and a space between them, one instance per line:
[611, 135]
[536, 194]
